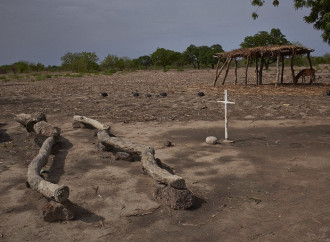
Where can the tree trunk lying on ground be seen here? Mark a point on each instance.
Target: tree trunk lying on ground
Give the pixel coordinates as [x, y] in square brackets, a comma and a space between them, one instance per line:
[88, 121]
[37, 123]
[175, 190]
[49, 190]
[28, 120]
[150, 165]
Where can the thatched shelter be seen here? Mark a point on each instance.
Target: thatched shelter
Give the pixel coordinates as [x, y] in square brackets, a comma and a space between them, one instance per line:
[256, 53]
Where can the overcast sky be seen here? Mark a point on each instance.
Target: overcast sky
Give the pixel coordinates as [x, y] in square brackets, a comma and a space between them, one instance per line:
[44, 30]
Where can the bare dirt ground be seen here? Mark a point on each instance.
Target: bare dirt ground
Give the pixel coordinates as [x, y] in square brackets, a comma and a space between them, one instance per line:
[272, 184]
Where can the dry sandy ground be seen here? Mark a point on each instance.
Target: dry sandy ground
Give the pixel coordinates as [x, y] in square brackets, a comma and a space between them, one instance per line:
[272, 184]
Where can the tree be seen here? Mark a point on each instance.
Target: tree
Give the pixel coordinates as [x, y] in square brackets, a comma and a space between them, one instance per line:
[214, 50]
[143, 61]
[319, 15]
[201, 55]
[21, 67]
[163, 57]
[89, 61]
[115, 63]
[191, 56]
[263, 38]
[80, 62]
[109, 62]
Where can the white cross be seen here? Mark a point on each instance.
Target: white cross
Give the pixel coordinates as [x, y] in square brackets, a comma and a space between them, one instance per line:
[226, 102]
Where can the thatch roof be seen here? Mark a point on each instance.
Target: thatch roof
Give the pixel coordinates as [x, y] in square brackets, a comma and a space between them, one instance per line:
[264, 51]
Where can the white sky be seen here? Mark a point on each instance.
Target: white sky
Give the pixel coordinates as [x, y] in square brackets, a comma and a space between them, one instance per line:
[44, 30]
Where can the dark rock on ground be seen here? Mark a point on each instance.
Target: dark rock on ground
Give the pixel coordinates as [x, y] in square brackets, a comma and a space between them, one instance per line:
[104, 94]
[201, 94]
[135, 94]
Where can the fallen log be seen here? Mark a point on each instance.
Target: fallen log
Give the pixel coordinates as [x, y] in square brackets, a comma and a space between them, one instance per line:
[150, 165]
[28, 120]
[148, 160]
[91, 122]
[44, 128]
[37, 123]
[37, 183]
[120, 143]
[179, 195]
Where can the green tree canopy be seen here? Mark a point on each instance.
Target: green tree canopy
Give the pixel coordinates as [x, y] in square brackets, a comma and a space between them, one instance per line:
[319, 15]
[115, 63]
[80, 62]
[164, 57]
[143, 61]
[201, 55]
[263, 38]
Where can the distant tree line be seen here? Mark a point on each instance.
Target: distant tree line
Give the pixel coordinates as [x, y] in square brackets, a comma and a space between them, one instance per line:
[192, 57]
[88, 62]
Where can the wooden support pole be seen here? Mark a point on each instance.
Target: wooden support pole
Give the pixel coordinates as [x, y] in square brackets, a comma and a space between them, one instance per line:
[277, 70]
[227, 70]
[246, 70]
[292, 71]
[216, 72]
[218, 75]
[282, 71]
[257, 71]
[260, 70]
[235, 71]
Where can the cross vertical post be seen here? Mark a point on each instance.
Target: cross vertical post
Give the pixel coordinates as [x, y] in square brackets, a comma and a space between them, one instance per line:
[226, 102]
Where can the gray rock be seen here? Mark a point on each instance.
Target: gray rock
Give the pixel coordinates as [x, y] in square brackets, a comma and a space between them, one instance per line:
[211, 140]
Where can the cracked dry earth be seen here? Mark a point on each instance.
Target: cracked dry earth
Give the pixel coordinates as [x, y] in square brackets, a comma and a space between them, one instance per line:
[272, 184]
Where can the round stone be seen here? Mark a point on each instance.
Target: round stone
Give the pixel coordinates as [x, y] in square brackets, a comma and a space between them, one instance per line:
[211, 140]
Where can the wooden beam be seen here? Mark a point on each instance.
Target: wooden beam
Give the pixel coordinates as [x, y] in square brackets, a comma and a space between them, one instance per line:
[277, 70]
[292, 71]
[227, 70]
[246, 70]
[218, 74]
[282, 71]
[260, 70]
[257, 71]
[235, 71]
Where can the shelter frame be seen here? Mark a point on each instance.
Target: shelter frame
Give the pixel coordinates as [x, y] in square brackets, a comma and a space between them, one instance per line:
[261, 52]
